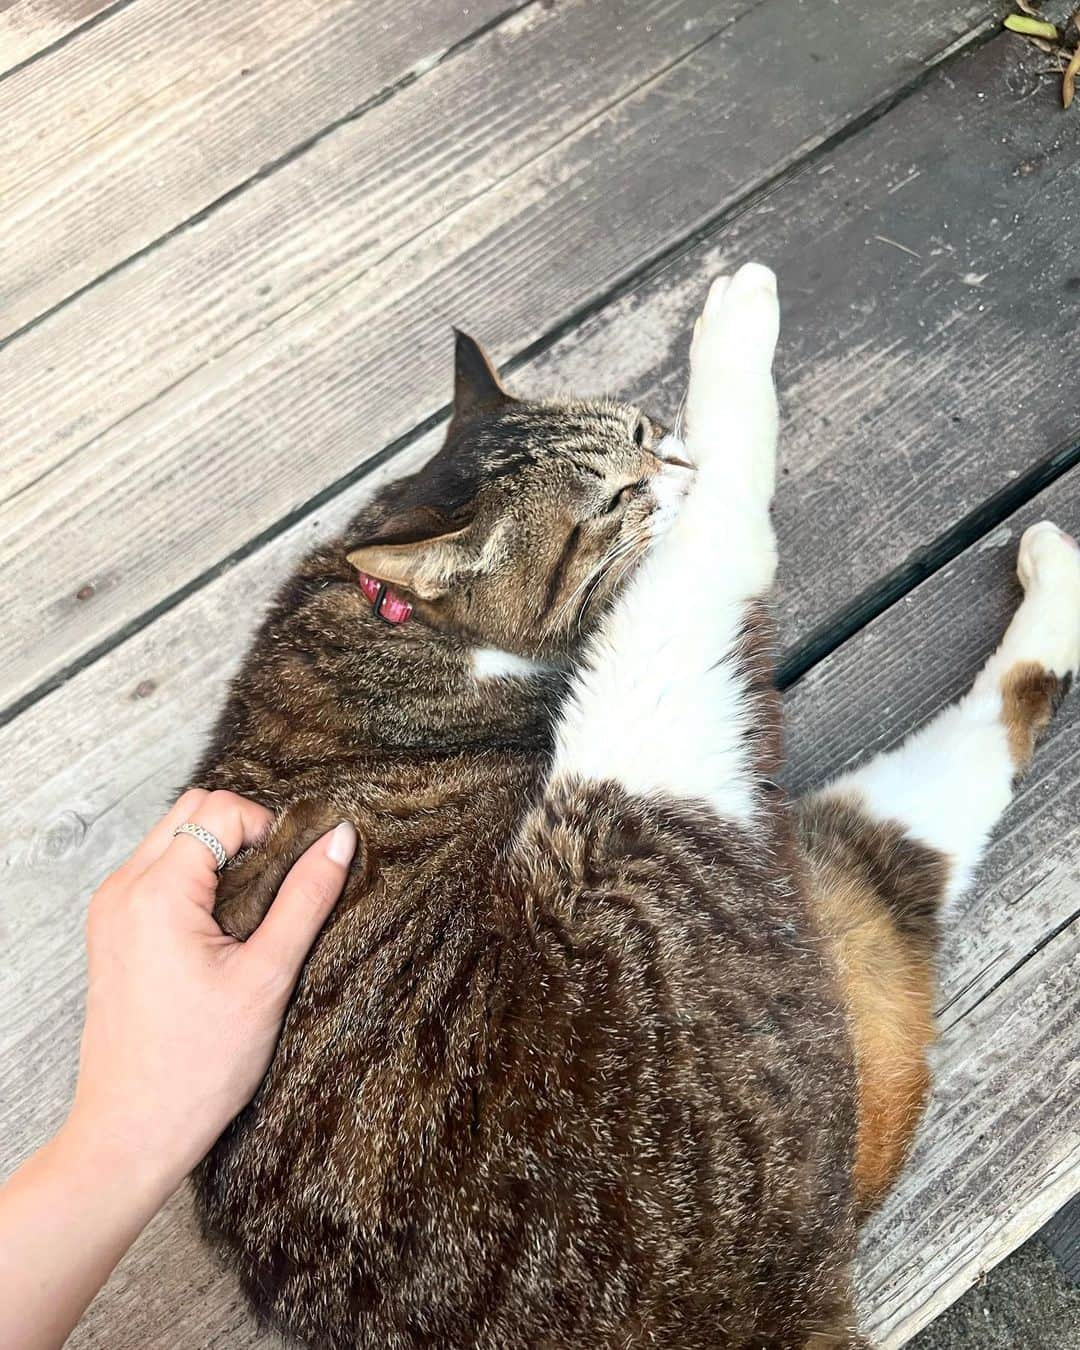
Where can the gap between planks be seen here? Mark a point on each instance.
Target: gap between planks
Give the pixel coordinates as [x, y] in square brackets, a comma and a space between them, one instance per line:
[23, 53]
[927, 560]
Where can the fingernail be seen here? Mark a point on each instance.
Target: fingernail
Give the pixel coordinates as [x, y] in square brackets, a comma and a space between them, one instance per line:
[342, 844]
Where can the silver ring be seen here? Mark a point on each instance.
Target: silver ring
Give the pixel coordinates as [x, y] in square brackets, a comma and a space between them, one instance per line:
[203, 835]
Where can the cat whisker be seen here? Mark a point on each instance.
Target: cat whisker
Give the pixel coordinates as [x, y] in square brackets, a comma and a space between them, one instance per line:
[563, 610]
[566, 607]
[680, 414]
[594, 578]
[625, 552]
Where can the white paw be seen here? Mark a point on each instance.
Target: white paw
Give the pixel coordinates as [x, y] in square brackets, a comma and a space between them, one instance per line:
[1047, 554]
[739, 325]
[730, 402]
[1048, 566]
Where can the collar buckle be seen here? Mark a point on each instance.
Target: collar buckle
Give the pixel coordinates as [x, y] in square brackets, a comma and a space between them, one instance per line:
[385, 603]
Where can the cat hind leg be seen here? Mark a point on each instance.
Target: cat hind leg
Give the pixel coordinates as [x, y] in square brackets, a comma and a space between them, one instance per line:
[949, 783]
[892, 843]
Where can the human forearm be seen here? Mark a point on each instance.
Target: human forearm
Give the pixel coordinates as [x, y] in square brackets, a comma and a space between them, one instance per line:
[181, 1022]
[66, 1217]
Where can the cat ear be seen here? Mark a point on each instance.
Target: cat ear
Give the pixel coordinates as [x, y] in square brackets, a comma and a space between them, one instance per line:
[427, 566]
[476, 383]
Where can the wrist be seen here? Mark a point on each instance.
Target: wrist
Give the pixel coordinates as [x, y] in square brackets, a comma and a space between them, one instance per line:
[132, 1167]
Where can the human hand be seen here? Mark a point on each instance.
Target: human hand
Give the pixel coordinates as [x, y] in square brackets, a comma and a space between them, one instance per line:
[181, 1022]
[181, 1019]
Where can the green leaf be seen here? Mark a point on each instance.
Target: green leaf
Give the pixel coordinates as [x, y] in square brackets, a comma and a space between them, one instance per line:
[1020, 23]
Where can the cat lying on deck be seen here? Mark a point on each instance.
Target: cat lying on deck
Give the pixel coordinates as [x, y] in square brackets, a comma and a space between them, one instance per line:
[605, 1045]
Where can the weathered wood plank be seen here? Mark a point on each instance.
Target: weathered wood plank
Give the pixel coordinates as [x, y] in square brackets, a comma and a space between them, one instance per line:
[383, 180]
[28, 27]
[346, 350]
[997, 1154]
[121, 136]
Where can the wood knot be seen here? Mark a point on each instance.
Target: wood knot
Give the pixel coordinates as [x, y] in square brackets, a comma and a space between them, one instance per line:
[60, 838]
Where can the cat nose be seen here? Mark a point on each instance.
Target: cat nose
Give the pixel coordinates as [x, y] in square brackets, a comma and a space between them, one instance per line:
[671, 451]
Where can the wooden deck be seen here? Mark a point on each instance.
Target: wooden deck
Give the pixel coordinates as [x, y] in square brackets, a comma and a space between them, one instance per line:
[232, 240]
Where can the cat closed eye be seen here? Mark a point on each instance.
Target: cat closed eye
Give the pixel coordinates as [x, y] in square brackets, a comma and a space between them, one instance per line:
[621, 498]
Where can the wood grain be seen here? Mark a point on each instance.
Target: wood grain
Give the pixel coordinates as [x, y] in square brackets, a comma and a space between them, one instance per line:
[383, 179]
[998, 1153]
[312, 310]
[29, 27]
[117, 138]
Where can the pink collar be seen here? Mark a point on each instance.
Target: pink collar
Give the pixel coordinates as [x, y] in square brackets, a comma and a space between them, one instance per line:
[387, 604]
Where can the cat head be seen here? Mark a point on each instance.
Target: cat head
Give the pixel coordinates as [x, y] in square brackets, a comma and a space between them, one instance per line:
[519, 531]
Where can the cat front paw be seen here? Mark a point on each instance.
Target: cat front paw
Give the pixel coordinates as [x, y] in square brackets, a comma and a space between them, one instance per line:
[739, 325]
[731, 402]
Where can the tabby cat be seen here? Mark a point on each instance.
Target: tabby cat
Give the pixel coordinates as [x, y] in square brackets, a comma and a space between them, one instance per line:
[603, 1045]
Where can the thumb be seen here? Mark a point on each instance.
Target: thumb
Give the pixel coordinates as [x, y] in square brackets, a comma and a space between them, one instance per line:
[306, 897]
